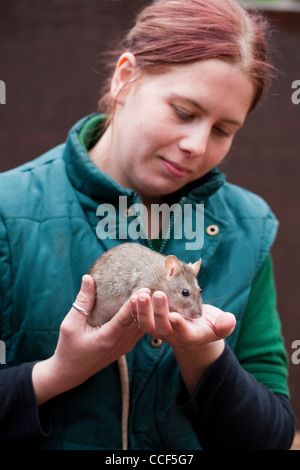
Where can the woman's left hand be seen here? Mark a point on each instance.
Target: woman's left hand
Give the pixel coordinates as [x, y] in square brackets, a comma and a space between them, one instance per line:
[197, 343]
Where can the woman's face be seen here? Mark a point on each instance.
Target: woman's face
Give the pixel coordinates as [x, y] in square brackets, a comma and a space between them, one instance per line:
[170, 129]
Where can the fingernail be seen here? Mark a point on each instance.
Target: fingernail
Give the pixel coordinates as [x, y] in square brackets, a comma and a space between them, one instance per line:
[85, 283]
[158, 299]
[173, 321]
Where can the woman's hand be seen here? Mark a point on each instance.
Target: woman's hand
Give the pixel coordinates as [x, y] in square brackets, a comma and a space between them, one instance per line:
[196, 343]
[83, 350]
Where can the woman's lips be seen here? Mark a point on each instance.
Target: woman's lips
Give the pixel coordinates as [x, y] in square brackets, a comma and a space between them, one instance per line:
[175, 169]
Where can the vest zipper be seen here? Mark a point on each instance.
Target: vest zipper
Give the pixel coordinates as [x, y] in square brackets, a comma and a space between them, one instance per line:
[136, 202]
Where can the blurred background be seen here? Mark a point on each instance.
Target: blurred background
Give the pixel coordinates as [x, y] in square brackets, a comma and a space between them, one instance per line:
[51, 63]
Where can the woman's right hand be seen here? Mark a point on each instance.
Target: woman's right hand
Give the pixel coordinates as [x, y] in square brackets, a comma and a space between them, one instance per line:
[83, 350]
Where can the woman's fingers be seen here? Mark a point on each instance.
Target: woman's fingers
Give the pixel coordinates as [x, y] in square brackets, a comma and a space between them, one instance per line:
[156, 319]
[85, 298]
[161, 316]
[128, 313]
[222, 323]
[152, 317]
[225, 324]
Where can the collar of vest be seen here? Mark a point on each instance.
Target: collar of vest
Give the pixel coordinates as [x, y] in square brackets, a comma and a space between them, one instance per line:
[88, 179]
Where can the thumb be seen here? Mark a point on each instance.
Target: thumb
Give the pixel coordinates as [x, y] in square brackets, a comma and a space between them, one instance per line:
[224, 324]
[86, 296]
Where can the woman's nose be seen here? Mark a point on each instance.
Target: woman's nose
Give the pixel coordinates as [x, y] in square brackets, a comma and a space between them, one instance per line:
[195, 141]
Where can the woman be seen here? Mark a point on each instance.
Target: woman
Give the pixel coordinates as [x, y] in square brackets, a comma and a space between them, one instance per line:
[187, 77]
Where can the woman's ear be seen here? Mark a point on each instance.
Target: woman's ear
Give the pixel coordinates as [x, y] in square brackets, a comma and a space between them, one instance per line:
[125, 72]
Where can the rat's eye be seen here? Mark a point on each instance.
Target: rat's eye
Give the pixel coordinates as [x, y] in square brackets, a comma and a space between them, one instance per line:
[185, 292]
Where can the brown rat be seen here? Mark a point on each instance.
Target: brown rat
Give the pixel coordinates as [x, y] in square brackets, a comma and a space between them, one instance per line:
[124, 269]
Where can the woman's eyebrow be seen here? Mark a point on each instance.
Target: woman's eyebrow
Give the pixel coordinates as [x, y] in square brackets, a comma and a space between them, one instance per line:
[202, 108]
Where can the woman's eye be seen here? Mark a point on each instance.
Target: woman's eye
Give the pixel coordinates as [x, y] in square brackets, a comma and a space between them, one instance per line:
[185, 116]
[221, 131]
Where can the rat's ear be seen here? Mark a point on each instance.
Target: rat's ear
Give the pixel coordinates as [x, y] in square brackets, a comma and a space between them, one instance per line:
[172, 266]
[125, 72]
[196, 266]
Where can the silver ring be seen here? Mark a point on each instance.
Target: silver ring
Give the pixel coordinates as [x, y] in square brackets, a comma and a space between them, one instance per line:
[80, 309]
[137, 323]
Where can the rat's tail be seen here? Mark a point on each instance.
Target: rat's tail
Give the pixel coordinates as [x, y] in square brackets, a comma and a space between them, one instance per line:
[124, 378]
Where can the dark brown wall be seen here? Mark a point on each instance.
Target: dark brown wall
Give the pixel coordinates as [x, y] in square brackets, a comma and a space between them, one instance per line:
[266, 160]
[49, 60]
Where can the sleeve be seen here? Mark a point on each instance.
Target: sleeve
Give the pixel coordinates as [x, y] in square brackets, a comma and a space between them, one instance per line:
[260, 346]
[230, 410]
[20, 417]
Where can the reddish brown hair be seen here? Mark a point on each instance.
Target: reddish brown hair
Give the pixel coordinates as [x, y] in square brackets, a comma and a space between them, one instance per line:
[170, 32]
